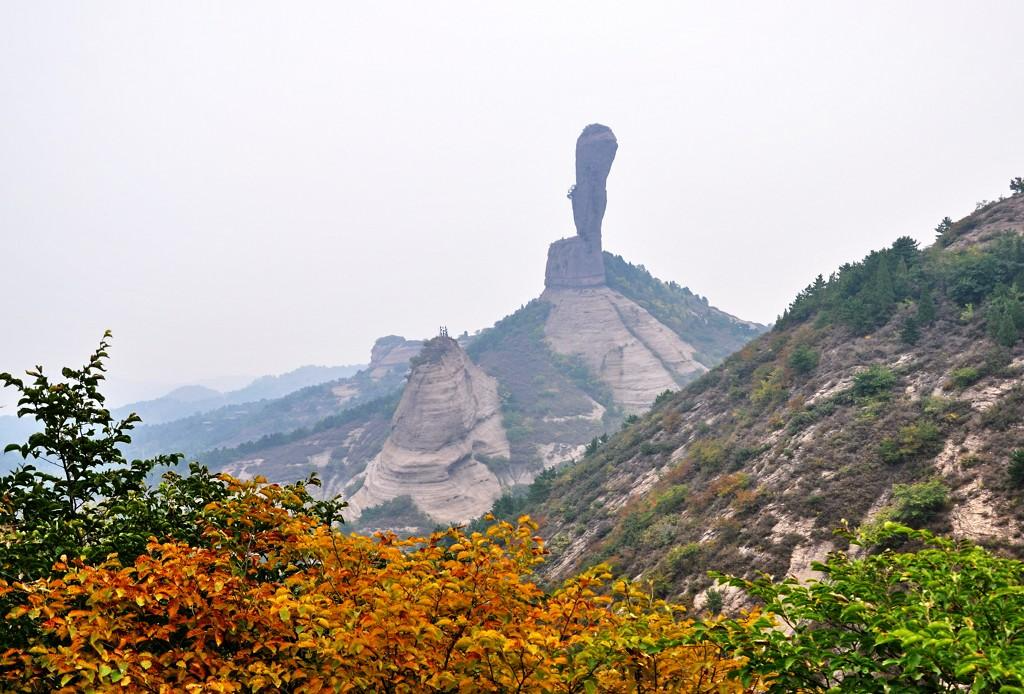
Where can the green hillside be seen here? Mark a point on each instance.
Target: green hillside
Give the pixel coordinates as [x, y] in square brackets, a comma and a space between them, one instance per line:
[890, 390]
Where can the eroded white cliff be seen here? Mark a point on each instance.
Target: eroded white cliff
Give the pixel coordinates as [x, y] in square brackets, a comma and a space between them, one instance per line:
[447, 424]
[625, 346]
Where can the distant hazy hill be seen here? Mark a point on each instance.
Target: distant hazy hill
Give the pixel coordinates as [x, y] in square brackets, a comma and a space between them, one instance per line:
[185, 402]
[189, 400]
[892, 389]
[255, 419]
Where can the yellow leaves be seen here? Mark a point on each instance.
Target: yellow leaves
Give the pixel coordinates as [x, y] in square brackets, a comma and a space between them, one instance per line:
[296, 605]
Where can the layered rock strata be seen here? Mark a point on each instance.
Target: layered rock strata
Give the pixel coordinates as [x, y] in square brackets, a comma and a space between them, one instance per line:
[625, 346]
[446, 427]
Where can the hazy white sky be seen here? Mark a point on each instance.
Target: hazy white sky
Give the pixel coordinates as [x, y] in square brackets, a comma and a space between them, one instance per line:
[239, 188]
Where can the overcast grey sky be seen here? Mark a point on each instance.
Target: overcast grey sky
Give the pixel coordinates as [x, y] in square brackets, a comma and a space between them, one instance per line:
[239, 188]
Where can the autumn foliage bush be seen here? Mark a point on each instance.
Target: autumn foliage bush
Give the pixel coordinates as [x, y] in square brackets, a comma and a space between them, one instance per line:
[276, 600]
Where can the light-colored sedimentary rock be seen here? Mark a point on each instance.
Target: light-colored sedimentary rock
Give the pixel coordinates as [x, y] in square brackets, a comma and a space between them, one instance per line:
[392, 352]
[630, 350]
[448, 421]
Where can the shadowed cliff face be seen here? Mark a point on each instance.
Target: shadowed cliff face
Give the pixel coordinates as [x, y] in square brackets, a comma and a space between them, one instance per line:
[595, 152]
[577, 261]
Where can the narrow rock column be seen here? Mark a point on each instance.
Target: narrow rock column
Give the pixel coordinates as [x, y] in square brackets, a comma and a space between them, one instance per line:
[595, 152]
[577, 261]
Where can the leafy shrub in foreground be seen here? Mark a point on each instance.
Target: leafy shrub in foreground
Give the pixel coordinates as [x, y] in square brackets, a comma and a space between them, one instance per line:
[278, 601]
[947, 617]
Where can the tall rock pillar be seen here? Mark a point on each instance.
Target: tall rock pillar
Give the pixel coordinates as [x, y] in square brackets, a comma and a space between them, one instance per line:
[577, 261]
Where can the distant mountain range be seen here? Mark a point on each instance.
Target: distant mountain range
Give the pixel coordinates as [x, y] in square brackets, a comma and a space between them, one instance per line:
[191, 400]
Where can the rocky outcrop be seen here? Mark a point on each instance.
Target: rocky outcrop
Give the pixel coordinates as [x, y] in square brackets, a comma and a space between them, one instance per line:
[446, 431]
[577, 261]
[392, 352]
[595, 152]
[623, 344]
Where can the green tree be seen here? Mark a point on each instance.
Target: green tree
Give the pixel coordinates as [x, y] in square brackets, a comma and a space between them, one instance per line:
[926, 307]
[1004, 315]
[910, 332]
[89, 501]
[803, 359]
[946, 617]
[874, 381]
[918, 503]
[883, 291]
[1017, 185]
[1016, 469]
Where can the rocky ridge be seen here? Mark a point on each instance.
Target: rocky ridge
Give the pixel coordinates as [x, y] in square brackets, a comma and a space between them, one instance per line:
[623, 344]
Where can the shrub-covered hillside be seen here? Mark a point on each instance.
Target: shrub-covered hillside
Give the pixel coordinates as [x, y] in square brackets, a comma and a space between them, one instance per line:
[890, 390]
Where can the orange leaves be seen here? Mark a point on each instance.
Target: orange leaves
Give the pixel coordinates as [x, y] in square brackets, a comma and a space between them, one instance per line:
[280, 602]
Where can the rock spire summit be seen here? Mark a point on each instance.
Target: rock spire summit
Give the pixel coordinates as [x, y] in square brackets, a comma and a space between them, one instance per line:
[577, 261]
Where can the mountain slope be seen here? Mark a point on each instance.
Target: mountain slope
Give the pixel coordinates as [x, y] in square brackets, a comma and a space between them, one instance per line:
[892, 389]
[713, 333]
[621, 343]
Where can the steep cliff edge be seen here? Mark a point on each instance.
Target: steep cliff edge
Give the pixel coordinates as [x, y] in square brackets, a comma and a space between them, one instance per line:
[446, 430]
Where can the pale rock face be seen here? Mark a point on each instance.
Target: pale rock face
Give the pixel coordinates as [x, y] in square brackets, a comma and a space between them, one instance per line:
[629, 349]
[449, 417]
[392, 352]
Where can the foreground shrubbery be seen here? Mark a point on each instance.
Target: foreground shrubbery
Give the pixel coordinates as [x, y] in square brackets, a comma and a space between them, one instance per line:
[273, 599]
[944, 617]
[277, 601]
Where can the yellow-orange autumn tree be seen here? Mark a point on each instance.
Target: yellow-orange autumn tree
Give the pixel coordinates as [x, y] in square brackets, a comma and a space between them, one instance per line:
[274, 600]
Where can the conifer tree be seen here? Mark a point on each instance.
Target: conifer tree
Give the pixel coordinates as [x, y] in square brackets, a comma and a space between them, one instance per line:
[926, 307]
